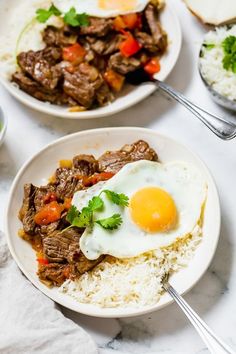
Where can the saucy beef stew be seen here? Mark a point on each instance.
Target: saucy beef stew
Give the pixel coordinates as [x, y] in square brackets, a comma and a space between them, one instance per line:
[86, 66]
[44, 209]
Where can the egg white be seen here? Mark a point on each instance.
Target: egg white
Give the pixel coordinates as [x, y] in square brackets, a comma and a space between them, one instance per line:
[91, 7]
[181, 180]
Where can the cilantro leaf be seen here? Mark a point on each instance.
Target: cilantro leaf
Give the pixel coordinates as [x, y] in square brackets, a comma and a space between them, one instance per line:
[84, 219]
[43, 15]
[119, 199]
[111, 223]
[72, 214]
[73, 19]
[96, 203]
[229, 48]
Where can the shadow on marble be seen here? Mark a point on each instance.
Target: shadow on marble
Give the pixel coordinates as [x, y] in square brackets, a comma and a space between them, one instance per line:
[7, 164]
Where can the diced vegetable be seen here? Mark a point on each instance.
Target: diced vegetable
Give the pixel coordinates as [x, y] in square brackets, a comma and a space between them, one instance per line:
[130, 21]
[90, 181]
[74, 54]
[114, 80]
[49, 213]
[42, 261]
[65, 163]
[67, 203]
[153, 66]
[129, 46]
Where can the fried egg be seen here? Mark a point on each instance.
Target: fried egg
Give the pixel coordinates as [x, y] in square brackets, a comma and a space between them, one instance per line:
[102, 8]
[165, 204]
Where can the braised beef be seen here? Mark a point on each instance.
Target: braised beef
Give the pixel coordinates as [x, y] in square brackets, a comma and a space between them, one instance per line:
[105, 46]
[40, 194]
[147, 42]
[28, 200]
[61, 246]
[53, 273]
[104, 95]
[113, 161]
[159, 37]
[59, 36]
[122, 64]
[97, 27]
[85, 165]
[66, 182]
[83, 264]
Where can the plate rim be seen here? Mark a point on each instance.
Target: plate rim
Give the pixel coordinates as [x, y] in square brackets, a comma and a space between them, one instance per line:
[49, 109]
[130, 311]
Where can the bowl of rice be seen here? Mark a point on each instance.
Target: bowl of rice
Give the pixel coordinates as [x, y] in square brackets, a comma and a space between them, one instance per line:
[217, 65]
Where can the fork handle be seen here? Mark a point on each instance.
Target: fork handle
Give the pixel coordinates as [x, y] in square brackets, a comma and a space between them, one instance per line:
[219, 126]
[213, 343]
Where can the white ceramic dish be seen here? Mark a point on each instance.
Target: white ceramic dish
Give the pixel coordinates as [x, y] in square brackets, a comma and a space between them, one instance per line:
[130, 95]
[43, 164]
[3, 126]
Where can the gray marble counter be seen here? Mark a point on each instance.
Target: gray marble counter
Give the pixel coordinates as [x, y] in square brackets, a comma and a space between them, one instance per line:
[166, 331]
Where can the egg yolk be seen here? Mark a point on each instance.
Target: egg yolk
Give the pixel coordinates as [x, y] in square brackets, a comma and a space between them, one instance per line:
[153, 209]
[123, 5]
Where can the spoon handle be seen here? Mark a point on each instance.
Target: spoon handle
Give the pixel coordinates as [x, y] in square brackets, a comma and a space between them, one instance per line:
[213, 343]
[219, 126]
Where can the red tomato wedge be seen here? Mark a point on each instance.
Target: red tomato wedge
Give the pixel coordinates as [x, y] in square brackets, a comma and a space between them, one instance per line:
[129, 46]
[49, 213]
[153, 66]
[74, 53]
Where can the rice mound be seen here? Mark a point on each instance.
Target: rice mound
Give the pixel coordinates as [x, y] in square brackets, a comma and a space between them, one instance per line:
[132, 282]
[221, 80]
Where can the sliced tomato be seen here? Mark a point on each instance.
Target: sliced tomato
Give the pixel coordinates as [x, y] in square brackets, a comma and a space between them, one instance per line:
[130, 21]
[90, 181]
[49, 213]
[74, 54]
[43, 261]
[153, 66]
[118, 23]
[129, 46]
[67, 203]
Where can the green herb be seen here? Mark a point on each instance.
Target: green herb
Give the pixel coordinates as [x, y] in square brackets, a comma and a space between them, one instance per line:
[73, 212]
[229, 47]
[43, 15]
[73, 19]
[111, 223]
[119, 199]
[208, 46]
[96, 203]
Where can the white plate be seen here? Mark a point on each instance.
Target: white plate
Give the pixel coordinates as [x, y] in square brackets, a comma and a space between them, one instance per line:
[130, 95]
[96, 141]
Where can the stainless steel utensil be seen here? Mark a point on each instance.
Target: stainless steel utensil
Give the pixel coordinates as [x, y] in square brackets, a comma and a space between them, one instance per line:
[219, 126]
[212, 341]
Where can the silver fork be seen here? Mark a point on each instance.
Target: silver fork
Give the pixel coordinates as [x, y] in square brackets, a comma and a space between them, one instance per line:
[213, 342]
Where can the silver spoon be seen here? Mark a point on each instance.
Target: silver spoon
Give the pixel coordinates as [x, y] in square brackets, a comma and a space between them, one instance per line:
[213, 342]
[219, 126]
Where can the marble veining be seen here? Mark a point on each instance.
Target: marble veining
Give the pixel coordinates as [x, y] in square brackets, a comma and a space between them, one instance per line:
[167, 330]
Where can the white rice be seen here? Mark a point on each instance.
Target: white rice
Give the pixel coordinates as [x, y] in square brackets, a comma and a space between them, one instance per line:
[222, 81]
[132, 282]
[19, 22]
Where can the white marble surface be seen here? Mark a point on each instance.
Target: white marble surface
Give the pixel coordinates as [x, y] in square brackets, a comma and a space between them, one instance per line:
[166, 331]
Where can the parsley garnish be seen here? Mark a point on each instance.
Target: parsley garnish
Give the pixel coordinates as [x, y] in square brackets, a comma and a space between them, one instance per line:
[111, 223]
[119, 199]
[43, 15]
[85, 217]
[229, 47]
[73, 19]
[70, 17]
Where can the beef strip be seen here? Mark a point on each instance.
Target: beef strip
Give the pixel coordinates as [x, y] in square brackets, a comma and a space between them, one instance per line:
[66, 183]
[105, 46]
[85, 165]
[40, 194]
[147, 41]
[35, 90]
[27, 211]
[122, 64]
[40, 69]
[54, 36]
[53, 273]
[113, 161]
[159, 37]
[104, 95]
[98, 27]
[83, 264]
[82, 84]
[62, 246]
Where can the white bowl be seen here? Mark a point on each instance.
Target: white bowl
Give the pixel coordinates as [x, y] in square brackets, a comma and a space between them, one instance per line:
[130, 95]
[3, 126]
[96, 141]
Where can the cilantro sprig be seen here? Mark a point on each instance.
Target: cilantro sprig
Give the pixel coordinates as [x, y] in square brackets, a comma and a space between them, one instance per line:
[70, 17]
[229, 48]
[43, 15]
[85, 217]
